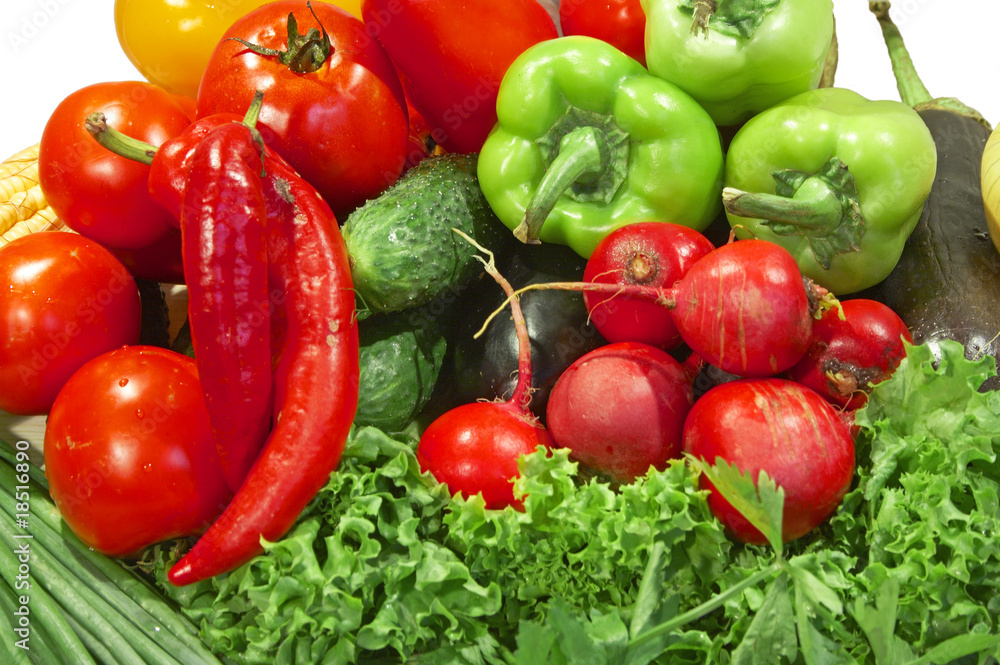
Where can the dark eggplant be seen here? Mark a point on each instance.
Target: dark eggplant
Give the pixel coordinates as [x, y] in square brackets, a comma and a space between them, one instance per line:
[947, 282]
[154, 329]
[558, 325]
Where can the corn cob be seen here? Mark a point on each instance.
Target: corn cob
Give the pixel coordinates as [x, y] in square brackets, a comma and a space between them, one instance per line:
[23, 207]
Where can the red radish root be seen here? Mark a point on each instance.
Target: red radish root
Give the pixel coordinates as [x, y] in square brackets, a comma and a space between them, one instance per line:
[474, 448]
[620, 409]
[780, 427]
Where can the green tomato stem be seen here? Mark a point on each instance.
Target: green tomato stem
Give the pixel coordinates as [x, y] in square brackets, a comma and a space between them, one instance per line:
[582, 154]
[119, 143]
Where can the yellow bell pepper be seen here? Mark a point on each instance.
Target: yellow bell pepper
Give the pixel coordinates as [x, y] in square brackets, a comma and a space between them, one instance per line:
[170, 41]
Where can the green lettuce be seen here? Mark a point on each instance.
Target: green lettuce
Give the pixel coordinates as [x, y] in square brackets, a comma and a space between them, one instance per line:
[385, 566]
[926, 510]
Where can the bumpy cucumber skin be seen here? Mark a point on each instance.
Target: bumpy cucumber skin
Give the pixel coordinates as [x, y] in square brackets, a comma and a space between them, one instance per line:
[402, 248]
[400, 360]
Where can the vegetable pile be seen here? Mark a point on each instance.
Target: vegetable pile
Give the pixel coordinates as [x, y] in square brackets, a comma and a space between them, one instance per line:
[507, 339]
[385, 566]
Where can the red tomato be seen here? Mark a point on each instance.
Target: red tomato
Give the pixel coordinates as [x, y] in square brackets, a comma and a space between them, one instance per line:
[66, 300]
[453, 54]
[95, 192]
[342, 125]
[148, 471]
[621, 23]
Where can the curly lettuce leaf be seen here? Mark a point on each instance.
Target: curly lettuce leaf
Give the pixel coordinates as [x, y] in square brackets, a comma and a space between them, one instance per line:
[384, 564]
[925, 515]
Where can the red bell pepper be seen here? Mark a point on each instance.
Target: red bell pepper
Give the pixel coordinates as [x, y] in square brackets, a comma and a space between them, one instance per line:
[452, 54]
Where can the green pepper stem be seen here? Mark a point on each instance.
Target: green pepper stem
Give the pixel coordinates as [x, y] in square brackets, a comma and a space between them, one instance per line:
[581, 153]
[813, 213]
[140, 151]
[822, 207]
[912, 90]
[118, 143]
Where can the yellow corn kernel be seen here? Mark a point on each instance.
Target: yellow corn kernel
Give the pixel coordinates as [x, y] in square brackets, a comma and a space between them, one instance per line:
[23, 207]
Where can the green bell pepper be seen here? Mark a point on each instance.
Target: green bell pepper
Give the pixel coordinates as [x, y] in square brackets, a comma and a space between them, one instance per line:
[837, 179]
[739, 57]
[587, 141]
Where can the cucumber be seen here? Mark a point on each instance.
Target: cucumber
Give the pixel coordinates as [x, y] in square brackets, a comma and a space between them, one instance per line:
[402, 249]
[400, 360]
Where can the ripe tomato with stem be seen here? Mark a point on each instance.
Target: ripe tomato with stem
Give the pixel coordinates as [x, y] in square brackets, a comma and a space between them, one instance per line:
[474, 448]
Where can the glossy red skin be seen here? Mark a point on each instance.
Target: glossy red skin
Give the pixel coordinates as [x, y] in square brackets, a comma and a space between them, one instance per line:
[621, 23]
[744, 309]
[475, 448]
[620, 409]
[420, 144]
[863, 348]
[453, 55]
[129, 453]
[667, 251]
[95, 192]
[170, 171]
[225, 264]
[343, 127]
[785, 429]
[315, 379]
[66, 299]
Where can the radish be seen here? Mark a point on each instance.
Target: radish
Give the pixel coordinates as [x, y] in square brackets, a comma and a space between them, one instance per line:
[647, 253]
[780, 427]
[849, 353]
[474, 448]
[744, 307]
[620, 409]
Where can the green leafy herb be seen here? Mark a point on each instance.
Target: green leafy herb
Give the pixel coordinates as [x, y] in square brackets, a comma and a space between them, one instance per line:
[759, 500]
[385, 567]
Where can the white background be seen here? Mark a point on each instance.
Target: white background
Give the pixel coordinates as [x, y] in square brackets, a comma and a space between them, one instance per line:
[49, 48]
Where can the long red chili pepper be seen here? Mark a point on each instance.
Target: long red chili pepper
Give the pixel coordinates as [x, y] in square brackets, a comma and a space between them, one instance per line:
[225, 269]
[315, 337]
[316, 380]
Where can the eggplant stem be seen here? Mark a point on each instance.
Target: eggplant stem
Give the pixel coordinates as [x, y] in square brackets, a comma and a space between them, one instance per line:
[911, 89]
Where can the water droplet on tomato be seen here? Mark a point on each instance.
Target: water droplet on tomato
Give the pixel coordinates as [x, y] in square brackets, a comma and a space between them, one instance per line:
[122, 382]
[139, 413]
